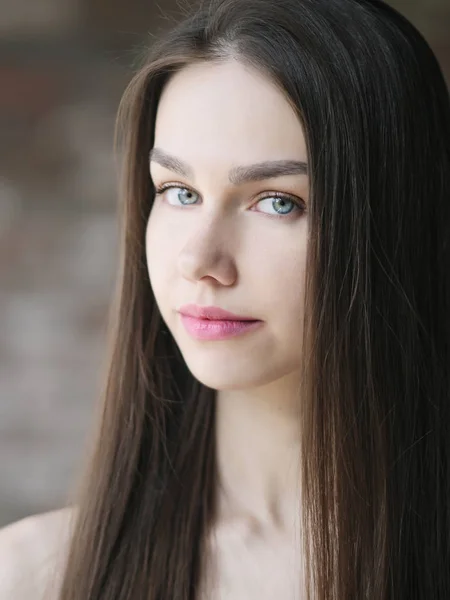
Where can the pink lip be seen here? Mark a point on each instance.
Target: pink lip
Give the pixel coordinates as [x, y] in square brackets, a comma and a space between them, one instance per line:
[213, 323]
[206, 329]
[212, 313]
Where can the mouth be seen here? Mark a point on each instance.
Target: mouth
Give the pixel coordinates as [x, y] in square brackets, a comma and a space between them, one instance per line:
[213, 329]
[212, 313]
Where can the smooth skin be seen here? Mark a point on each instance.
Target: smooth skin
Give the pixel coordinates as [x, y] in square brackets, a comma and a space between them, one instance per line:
[218, 238]
[33, 552]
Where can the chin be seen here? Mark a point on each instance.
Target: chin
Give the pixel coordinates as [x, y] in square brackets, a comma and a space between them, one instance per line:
[232, 374]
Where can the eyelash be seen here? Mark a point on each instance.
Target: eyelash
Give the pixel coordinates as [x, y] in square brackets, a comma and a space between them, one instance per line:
[298, 203]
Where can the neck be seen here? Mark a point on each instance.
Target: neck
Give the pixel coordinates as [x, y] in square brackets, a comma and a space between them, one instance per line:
[258, 451]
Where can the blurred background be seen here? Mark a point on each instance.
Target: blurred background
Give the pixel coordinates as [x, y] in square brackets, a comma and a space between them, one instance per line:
[63, 67]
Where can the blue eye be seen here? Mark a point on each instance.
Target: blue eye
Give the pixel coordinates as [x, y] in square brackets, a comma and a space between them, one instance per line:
[178, 195]
[282, 205]
[277, 204]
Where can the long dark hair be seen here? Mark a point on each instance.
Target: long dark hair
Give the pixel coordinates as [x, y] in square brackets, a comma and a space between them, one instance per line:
[375, 391]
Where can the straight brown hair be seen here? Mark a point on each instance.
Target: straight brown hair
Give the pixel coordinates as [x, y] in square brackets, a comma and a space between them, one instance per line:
[375, 390]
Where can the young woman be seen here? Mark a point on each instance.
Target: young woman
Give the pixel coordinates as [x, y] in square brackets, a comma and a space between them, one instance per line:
[289, 163]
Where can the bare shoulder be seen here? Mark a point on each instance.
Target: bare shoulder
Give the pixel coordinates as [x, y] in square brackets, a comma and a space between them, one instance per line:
[31, 550]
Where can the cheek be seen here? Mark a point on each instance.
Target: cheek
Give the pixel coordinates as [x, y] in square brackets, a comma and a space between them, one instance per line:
[282, 288]
[279, 274]
[288, 298]
[292, 282]
[288, 311]
[157, 247]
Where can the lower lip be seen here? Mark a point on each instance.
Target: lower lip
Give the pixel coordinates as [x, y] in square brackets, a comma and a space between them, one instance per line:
[206, 329]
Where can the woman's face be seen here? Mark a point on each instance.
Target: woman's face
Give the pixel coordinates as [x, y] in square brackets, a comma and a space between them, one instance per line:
[232, 231]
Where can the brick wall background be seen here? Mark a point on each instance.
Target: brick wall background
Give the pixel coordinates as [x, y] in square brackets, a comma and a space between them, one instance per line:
[63, 67]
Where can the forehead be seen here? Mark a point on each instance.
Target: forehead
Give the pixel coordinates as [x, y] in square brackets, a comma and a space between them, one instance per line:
[230, 112]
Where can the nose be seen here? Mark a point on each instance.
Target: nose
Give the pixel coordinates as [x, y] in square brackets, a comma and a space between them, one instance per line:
[208, 254]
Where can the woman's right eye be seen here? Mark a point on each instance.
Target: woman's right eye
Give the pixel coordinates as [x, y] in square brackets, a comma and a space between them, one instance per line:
[176, 195]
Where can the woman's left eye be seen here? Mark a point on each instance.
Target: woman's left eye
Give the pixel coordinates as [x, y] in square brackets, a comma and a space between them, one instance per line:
[280, 204]
[276, 204]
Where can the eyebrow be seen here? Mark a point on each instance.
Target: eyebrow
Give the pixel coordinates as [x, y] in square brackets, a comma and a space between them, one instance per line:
[237, 175]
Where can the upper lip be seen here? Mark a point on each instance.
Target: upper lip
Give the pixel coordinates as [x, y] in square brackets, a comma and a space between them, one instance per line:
[213, 313]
